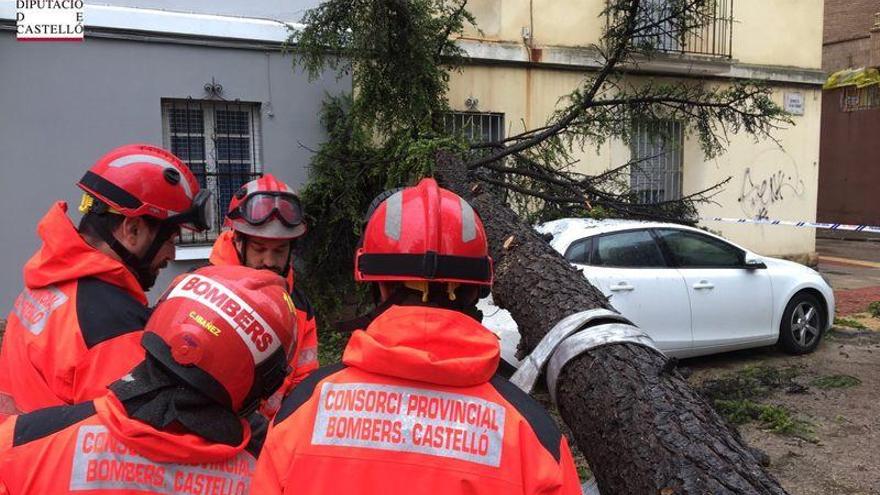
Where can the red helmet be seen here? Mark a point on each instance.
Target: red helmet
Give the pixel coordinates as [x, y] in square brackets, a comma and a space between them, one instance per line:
[424, 233]
[268, 208]
[145, 180]
[227, 331]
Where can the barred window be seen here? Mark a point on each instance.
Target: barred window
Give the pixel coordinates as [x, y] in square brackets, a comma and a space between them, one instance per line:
[711, 34]
[854, 98]
[476, 127]
[220, 141]
[656, 150]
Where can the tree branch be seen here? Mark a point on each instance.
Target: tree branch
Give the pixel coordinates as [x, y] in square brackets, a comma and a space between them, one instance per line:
[576, 110]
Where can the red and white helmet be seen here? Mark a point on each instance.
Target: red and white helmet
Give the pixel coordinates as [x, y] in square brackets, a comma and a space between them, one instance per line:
[227, 331]
[145, 180]
[424, 233]
[267, 208]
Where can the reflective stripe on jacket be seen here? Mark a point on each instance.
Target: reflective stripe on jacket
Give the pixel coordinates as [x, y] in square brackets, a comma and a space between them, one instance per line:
[76, 325]
[416, 408]
[94, 448]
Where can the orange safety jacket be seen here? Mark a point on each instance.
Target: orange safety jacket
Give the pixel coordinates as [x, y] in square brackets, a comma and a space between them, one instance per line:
[415, 408]
[76, 326]
[94, 448]
[305, 356]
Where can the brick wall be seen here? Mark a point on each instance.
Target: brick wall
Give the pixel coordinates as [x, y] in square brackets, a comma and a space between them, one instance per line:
[845, 19]
[846, 38]
[846, 54]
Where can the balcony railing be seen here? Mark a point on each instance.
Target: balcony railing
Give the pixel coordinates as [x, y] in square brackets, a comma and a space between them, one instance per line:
[713, 37]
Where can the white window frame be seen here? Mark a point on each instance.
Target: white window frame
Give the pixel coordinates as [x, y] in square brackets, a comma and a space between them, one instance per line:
[197, 250]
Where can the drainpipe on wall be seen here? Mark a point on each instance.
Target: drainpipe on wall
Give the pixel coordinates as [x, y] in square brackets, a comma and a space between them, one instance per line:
[528, 37]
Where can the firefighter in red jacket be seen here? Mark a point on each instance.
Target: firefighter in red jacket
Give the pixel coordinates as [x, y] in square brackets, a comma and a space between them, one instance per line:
[416, 407]
[266, 218]
[76, 325]
[216, 345]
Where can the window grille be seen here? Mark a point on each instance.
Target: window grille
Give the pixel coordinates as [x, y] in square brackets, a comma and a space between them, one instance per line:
[656, 150]
[220, 141]
[476, 127]
[853, 98]
[713, 37]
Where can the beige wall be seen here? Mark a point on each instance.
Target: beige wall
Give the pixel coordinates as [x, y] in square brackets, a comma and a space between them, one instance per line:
[765, 180]
[551, 22]
[778, 32]
[528, 97]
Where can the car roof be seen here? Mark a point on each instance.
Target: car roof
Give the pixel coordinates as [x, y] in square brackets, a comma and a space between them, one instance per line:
[567, 230]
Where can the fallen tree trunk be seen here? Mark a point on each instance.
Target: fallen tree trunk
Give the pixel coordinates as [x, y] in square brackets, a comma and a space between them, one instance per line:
[640, 425]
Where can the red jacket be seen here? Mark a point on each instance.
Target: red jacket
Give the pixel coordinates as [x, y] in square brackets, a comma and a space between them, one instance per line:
[305, 357]
[95, 448]
[76, 326]
[416, 408]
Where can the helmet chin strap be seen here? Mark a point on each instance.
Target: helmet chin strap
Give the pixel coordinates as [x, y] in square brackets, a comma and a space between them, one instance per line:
[402, 295]
[141, 266]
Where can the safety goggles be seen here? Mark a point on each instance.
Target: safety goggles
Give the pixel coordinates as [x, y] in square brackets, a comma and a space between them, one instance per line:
[259, 208]
[199, 216]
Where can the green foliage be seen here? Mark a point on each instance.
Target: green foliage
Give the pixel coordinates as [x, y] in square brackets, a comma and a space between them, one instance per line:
[874, 309]
[346, 174]
[749, 383]
[733, 396]
[849, 322]
[342, 179]
[774, 418]
[399, 54]
[836, 381]
[737, 411]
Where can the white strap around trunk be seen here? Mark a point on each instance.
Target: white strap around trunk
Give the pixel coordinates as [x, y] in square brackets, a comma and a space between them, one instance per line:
[531, 367]
[591, 338]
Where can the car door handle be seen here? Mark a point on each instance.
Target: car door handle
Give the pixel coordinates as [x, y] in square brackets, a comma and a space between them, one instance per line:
[623, 286]
[703, 284]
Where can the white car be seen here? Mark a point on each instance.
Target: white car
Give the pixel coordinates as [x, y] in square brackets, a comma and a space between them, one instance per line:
[693, 292]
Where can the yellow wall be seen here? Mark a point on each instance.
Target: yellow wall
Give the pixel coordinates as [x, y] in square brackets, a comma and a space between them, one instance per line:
[777, 183]
[777, 32]
[528, 97]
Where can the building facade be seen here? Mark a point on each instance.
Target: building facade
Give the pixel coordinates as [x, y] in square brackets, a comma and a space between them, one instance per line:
[849, 175]
[529, 53]
[211, 85]
[851, 36]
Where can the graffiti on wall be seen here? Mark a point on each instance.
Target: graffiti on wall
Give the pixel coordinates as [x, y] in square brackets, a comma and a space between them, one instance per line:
[771, 179]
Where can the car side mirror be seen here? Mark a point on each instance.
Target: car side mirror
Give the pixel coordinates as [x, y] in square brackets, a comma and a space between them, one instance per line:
[753, 262]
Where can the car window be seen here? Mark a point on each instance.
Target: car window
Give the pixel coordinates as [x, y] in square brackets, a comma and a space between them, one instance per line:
[579, 251]
[633, 249]
[693, 250]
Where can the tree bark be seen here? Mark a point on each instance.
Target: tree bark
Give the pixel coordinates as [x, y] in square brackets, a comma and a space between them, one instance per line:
[640, 425]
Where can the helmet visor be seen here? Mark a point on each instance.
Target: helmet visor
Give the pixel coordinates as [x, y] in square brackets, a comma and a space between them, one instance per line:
[261, 207]
[200, 215]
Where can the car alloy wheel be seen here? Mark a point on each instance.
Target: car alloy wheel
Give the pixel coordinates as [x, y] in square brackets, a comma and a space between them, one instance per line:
[805, 324]
[802, 324]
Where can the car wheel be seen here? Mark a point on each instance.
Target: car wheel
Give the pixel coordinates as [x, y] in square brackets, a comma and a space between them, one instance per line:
[802, 322]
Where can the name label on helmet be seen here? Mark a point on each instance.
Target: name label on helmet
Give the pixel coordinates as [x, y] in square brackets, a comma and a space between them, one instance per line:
[260, 338]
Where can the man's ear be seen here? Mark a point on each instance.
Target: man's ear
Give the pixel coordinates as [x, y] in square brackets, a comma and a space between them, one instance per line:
[130, 230]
